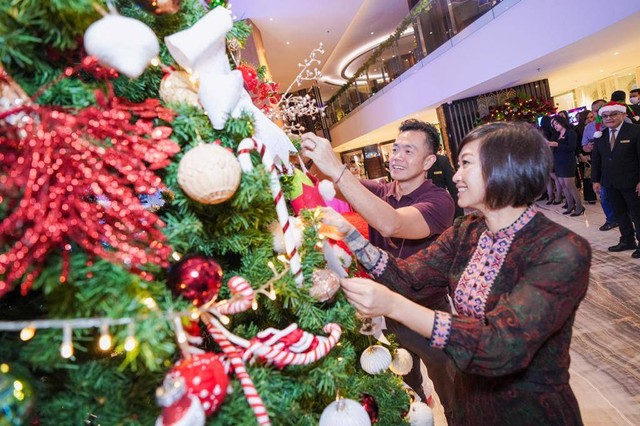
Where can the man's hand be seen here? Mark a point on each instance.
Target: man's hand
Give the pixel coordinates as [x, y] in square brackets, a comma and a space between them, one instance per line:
[319, 150]
[596, 187]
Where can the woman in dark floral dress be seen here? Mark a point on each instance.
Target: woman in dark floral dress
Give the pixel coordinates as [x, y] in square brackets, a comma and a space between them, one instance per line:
[516, 280]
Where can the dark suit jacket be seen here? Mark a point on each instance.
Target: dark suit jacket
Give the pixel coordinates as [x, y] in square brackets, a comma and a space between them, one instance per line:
[619, 168]
[441, 173]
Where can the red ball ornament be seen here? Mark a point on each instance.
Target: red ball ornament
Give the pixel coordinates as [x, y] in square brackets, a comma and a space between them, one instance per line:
[250, 76]
[196, 278]
[205, 378]
[370, 405]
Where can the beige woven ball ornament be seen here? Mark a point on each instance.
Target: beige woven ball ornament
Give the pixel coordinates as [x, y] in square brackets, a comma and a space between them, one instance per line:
[177, 88]
[209, 174]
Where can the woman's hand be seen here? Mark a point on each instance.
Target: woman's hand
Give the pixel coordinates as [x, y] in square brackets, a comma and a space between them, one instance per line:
[368, 297]
[334, 225]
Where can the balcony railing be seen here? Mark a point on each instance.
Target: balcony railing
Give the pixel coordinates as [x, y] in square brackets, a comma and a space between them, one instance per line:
[430, 29]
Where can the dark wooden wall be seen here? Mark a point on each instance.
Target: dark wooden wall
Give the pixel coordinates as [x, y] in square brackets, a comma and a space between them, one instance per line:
[457, 118]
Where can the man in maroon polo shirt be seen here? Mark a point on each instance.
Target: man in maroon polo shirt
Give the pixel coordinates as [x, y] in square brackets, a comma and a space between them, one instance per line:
[404, 217]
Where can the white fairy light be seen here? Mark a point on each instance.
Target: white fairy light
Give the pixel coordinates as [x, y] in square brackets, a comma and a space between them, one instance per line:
[130, 343]
[66, 350]
[104, 343]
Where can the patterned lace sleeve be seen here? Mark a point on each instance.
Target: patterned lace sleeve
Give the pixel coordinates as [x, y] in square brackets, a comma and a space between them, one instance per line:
[373, 259]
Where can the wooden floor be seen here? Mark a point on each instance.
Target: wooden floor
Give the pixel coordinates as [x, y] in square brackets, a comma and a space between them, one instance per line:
[605, 350]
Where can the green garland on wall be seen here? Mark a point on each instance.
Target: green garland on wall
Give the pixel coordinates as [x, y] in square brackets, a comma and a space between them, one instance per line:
[377, 53]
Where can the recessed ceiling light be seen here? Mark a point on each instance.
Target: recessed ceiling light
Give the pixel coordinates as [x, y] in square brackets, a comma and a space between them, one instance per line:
[271, 19]
[288, 43]
[601, 70]
[616, 53]
[371, 32]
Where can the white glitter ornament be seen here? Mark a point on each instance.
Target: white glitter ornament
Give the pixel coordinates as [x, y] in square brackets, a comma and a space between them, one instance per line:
[177, 88]
[375, 359]
[420, 414]
[402, 362]
[122, 43]
[345, 412]
[209, 174]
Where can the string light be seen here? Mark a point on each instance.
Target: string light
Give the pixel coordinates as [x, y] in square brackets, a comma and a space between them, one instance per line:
[181, 336]
[66, 350]
[254, 305]
[27, 333]
[130, 343]
[104, 343]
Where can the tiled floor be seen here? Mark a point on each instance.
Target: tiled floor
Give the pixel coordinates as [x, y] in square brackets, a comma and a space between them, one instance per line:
[605, 350]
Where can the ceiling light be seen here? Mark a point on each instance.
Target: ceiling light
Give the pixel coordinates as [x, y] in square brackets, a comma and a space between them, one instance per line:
[616, 53]
[601, 70]
[271, 19]
[372, 33]
[288, 43]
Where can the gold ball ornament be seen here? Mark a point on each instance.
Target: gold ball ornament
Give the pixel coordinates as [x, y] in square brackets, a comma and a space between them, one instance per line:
[209, 174]
[177, 88]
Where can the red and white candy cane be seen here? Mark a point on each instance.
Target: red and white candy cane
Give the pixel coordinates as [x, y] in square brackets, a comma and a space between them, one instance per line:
[242, 299]
[235, 358]
[286, 223]
[282, 357]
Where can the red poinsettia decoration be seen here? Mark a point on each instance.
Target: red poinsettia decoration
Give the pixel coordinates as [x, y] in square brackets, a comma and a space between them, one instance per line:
[519, 108]
[264, 94]
[74, 178]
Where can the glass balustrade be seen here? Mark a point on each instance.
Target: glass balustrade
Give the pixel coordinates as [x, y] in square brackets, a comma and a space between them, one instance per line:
[429, 30]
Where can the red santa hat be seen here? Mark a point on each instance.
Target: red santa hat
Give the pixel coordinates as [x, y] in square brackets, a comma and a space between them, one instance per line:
[612, 107]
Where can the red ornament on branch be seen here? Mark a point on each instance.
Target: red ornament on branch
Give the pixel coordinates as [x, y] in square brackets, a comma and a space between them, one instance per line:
[75, 179]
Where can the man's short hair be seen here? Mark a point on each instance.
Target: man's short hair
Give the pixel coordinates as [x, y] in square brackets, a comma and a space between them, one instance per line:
[634, 91]
[515, 161]
[429, 130]
[598, 101]
[619, 96]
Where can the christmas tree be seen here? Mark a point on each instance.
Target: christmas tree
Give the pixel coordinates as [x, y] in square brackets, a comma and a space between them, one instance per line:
[141, 184]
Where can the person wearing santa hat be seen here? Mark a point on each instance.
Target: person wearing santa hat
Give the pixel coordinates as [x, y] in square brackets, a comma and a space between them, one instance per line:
[591, 132]
[616, 166]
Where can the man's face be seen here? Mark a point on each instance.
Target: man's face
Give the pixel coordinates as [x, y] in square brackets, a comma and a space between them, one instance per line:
[410, 156]
[612, 119]
[595, 107]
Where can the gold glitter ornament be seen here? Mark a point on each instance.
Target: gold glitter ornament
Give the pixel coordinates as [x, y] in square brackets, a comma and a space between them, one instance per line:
[326, 284]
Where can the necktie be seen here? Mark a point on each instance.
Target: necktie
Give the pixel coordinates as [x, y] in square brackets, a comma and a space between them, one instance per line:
[612, 141]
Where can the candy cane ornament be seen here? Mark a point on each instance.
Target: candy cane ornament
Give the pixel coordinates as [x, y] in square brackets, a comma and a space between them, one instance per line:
[282, 357]
[244, 150]
[242, 299]
[235, 358]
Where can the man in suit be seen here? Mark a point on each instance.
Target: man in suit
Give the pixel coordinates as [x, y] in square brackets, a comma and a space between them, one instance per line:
[615, 164]
[634, 98]
[441, 174]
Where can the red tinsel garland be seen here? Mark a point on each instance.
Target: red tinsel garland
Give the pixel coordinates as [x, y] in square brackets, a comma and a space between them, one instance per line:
[74, 178]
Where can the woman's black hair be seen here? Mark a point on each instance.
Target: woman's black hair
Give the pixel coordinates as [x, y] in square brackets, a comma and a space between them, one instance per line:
[515, 161]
